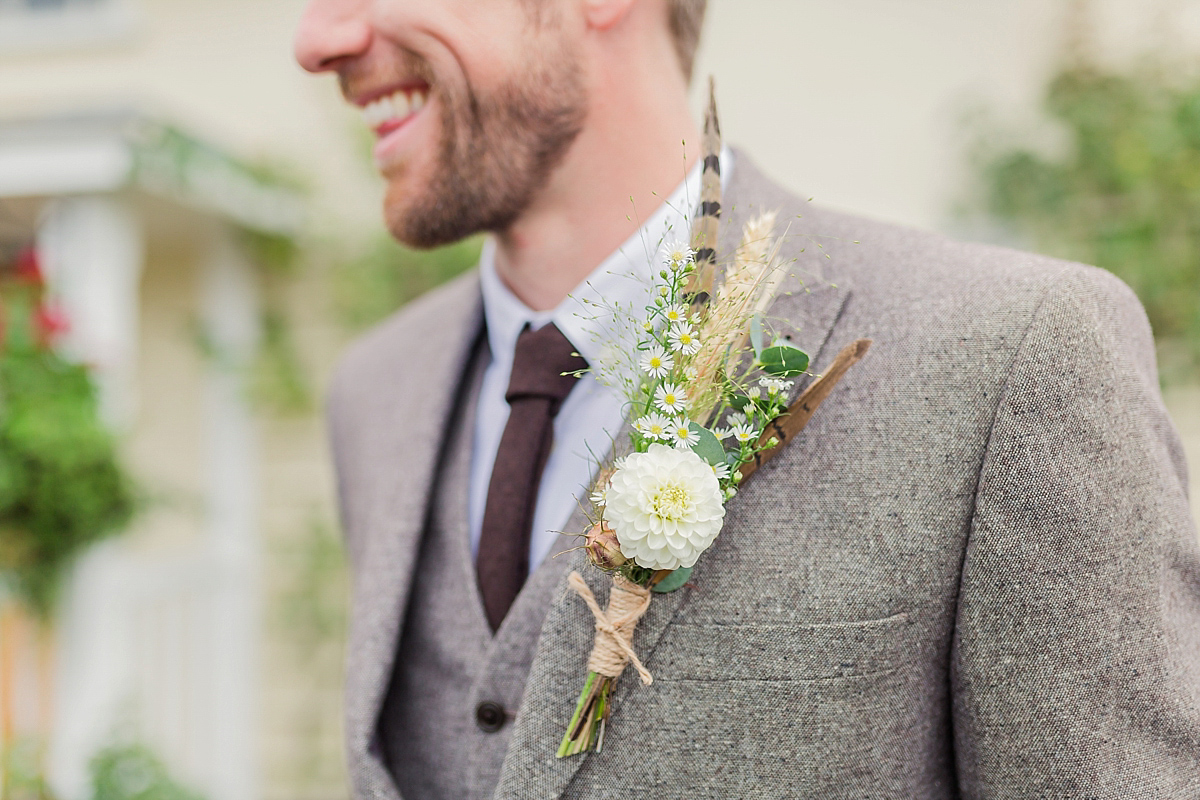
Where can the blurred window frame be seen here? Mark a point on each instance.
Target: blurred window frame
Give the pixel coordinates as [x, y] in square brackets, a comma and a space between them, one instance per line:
[38, 26]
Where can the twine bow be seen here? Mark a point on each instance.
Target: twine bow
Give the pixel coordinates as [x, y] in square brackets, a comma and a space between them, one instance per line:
[613, 648]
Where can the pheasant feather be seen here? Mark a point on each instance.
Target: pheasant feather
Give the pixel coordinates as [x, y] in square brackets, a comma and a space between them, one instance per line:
[704, 228]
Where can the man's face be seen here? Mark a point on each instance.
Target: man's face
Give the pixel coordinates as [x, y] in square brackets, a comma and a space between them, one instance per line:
[473, 102]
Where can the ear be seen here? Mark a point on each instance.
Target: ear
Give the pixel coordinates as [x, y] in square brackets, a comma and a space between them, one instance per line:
[603, 14]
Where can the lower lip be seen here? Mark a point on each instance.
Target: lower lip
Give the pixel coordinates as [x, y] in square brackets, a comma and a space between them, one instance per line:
[391, 135]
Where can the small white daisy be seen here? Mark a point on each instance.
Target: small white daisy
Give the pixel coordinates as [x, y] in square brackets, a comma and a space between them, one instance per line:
[675, 313]
[775, 386]
[721, 471]
[754, 393]
[656, 362]
[682, 433]
[684, 340]
[654, 426]
[744, 433]
[677, 255]
[670, 398]
[722, 433]
[736, 418]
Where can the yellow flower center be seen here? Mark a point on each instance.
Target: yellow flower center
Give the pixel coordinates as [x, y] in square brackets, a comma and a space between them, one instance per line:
[671, 501]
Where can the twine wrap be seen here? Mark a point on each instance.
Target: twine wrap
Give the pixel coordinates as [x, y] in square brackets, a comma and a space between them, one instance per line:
[613, 648]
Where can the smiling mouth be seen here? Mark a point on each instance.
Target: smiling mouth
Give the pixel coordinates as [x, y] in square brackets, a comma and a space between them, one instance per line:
[387, 113]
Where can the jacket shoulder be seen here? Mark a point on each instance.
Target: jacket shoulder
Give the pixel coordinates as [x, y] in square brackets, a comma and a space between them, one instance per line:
[891, 266]
[412, 332]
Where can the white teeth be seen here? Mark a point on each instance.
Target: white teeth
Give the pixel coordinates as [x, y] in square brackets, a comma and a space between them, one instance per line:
[401, 108]
[396, 106]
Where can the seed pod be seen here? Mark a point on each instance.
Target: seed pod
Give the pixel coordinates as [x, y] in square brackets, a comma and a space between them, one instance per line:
[603, 549]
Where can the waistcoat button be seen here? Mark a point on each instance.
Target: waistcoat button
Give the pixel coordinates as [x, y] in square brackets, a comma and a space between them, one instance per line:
[490, 716]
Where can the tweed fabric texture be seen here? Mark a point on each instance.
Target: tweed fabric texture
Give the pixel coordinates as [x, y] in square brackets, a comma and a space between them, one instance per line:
[427, 727]
[973, 575]
[449, 661]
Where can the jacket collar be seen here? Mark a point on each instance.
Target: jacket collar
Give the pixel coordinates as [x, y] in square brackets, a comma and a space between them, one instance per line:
[413, 442]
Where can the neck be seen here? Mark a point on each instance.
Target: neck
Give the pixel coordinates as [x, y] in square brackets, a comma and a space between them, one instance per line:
[628, 159]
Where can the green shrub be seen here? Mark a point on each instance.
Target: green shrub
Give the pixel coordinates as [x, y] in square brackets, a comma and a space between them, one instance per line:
[133, 772]
[1125, 194]
[61, 485]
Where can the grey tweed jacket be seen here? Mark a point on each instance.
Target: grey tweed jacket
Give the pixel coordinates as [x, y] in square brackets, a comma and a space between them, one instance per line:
[974, 575]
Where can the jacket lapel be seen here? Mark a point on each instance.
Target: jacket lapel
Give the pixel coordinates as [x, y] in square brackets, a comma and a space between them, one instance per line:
[806, 308]
[407, 449]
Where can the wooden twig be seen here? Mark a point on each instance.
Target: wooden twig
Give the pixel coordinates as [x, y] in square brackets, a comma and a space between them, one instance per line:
[790, 423]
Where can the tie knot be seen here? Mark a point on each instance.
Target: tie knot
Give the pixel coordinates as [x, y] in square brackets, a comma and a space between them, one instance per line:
[541, 358]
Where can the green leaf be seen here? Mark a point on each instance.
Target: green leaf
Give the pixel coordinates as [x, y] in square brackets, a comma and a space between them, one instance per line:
[756, 335]
[674, 581]
[709, 447]
[783, 361]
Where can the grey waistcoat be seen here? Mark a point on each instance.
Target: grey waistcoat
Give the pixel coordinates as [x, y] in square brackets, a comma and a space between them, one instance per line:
[448, 662]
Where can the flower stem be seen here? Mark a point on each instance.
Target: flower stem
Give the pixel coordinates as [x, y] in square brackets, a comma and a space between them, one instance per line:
[587, 723]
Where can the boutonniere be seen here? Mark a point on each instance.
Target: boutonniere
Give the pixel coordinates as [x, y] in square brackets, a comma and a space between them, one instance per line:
[709, 407]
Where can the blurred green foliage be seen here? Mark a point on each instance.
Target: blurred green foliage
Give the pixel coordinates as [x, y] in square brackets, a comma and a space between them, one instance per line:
[61, 484]
[312, 605]
[1125, 194]
[309, 609]
[387, 275]
[133, 772]
[21, 775]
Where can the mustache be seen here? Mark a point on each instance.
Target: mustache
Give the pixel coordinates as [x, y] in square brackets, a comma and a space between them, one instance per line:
[399, 66]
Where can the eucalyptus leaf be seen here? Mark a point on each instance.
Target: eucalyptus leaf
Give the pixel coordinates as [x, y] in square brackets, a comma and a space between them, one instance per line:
[783, 361]
[674, 581]
[709, 447]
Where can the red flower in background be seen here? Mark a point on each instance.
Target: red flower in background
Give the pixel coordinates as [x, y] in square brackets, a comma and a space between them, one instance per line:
[51, 322]
[29, 266]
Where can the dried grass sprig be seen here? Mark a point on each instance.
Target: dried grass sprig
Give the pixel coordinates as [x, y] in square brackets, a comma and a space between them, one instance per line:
[748, 288]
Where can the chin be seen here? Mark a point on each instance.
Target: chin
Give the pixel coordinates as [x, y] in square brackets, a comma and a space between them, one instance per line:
[408, 220]
[405, 205]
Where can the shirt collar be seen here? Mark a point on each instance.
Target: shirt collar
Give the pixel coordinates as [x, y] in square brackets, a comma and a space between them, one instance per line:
[623, 278]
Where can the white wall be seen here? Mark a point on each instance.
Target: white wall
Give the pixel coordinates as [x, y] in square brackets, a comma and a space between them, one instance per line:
[858, 102]
[853, 101]
[223, 69]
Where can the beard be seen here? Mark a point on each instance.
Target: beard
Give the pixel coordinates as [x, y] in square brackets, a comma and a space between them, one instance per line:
[497, 151]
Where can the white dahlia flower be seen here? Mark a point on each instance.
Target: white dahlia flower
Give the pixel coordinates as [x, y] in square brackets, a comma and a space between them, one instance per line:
[665, 506]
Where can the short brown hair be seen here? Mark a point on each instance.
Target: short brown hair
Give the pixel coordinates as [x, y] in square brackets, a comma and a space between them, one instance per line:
[686, 18]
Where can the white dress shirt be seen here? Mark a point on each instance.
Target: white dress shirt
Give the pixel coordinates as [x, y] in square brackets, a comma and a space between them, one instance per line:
[593, 414]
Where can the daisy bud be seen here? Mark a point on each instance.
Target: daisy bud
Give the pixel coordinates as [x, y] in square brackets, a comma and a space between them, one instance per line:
[603, 549]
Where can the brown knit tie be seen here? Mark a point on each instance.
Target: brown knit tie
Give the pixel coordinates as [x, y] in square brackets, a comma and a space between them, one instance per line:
[536, 391]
